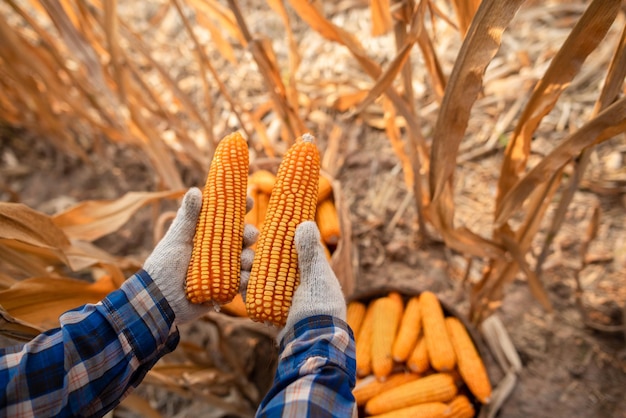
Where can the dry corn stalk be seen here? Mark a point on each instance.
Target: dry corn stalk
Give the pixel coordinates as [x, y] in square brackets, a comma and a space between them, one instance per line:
[275, 275]
[214, 271]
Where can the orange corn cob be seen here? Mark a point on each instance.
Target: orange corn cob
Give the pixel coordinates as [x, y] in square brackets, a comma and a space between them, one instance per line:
[364, 344]
[355, 313]
[423, 410]
[440, 350]
[325, 188]
[410, 327]
[215, 267]
[370, 386]
[327, 221]
[387, 315]
[438, 387]
[263, 180]
[470, 365]
[235, 307]
[459, 407]
[418, 360]
[275, 275]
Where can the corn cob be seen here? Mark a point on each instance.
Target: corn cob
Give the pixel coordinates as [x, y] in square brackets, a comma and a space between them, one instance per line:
[235, 307]
[418, 361]
[219, 232]
[364, 345]
[263, 180]
[327, 220]
[325, 188]
[275, 275]
[370, 386]
[469, 364]
[410, 327]
[423, 410]
[459, 407]
[387, 315]
[440, 350]
[355, 313]
[438, 387]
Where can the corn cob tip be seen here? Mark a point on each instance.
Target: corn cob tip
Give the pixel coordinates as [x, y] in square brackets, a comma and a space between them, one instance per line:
[307, 137]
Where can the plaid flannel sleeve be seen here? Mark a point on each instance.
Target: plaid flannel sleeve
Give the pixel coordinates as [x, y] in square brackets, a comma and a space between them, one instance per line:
[98, 355]
[316, 372]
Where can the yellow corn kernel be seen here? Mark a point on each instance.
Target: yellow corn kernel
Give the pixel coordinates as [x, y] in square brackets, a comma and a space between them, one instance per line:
[387, 316]
[438, 387]
[327, 220]
[469, 364]
[440, 350]
[410, 327]
[275, 275]
[423, 410]
[355, 313]
[215, 267]
[369, 387]
[459, 407]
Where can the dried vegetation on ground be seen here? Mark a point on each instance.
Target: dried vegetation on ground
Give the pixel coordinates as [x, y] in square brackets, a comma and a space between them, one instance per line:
[479, 152]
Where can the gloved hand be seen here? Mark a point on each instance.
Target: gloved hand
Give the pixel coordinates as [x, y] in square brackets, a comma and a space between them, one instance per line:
[168, 262]
[319, 292]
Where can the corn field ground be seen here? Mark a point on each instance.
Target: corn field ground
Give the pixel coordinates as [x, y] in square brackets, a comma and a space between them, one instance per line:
[479, 148]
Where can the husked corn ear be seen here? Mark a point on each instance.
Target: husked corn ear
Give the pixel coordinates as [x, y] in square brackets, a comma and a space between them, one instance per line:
[459, 407]
[387, 315]
[275, 275]
[327, 220]
[408, 332]
[325, 189]
[438, 387]
[440, 350]
[215, 266]
[355, 313]
[364, 342]
[418, 360]
[469, 363]
[369, 387]
[263, 180]
[235, 307]
[423, 410]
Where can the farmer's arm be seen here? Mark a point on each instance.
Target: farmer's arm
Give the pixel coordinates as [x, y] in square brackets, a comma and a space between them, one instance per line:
[316, 368]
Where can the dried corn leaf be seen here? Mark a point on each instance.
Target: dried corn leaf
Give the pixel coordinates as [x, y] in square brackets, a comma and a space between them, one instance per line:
[590, 29]
[139, 406]
[16, 329]
[479, 47]
[93, 219]
[465, 11]
[381, 17]
[39, 301]
[608, 123]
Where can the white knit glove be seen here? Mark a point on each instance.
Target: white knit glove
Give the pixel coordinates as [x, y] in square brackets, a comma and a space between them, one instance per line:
[168, 263]
[319, 292]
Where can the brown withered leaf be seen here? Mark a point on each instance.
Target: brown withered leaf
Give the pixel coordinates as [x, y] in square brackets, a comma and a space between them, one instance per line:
[21, 223]
[16, 329]
[93, 219]
[39, 301]
[479, 47]
[381, 17]
[605, 125]
[590, 29]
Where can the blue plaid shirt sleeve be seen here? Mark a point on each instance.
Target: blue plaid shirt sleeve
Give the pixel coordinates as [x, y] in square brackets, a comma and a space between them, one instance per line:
[98, 355]
[316, 372]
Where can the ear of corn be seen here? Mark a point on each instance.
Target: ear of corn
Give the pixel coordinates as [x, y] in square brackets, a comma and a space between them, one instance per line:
[410, 327]
[418, 360]
[438, 387]
[387, 315]
[263, 180]
[423, 410]
[364, 346]
[325, 188]
[440, 350]
[370, 386]
[355, 313]
[275, 275]
[469, 364]
[327, 220]
[215, 266]
[235, 307]
[459, 407]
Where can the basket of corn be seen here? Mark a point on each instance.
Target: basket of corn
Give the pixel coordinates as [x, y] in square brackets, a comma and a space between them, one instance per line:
[416, 357]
